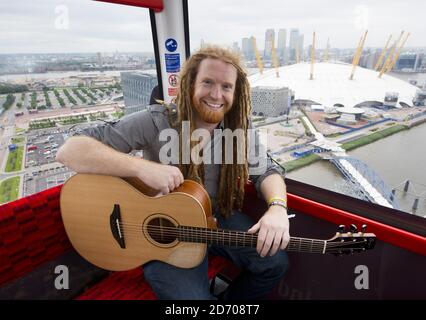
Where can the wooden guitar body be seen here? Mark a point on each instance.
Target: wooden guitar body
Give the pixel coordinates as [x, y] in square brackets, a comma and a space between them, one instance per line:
[91, 203]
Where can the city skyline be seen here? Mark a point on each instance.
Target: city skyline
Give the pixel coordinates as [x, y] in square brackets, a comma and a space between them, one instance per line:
[51, 26]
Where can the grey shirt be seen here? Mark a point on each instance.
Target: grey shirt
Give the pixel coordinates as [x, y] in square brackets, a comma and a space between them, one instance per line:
[141, 131]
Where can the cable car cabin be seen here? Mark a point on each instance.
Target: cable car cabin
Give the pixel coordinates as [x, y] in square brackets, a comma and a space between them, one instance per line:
[343, 248]
[39, 262]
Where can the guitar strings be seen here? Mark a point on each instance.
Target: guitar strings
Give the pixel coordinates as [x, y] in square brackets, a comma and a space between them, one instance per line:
[226, 236]
[189, 228]
[294, 242]
[294, 246]
[233, 240]
[290, 247]
[210, 234]
[223, 233]
[206, 234]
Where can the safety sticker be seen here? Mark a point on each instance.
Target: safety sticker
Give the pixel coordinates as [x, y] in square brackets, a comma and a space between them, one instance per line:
[171, 45]
[172, 62]
[173, 92]
[173, 80]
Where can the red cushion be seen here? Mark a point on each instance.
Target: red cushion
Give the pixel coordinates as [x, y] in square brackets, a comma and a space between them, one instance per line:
[31, 233]
[130, 285]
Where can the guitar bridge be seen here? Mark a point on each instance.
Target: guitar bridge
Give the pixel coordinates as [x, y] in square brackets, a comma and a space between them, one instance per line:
[115, 223]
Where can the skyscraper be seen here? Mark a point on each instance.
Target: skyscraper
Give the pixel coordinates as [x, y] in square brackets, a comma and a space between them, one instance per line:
[100, 60]
[235, 47]
[301, 39]
[248, 48]
[282, 39]
[294, 42]
[269, 38]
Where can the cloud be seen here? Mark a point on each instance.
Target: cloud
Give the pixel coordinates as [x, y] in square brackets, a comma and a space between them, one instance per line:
[337, 20]
[92, 26]
[31, 26]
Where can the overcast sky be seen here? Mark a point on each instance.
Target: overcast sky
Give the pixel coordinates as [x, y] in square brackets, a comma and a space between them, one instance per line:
[89, 26]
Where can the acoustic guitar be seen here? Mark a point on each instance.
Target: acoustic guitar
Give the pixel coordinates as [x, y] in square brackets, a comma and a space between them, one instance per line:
[117, 224]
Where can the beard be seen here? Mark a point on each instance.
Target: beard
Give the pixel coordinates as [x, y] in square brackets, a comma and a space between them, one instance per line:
[210, 115]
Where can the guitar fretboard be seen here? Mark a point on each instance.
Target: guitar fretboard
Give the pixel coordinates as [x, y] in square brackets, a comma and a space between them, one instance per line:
[243, 239]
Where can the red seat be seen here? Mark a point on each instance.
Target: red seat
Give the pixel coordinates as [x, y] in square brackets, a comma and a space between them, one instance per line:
[32, 234]
[130, 285]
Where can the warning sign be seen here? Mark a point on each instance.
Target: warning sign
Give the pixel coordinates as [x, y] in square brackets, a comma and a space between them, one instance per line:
[172, 92]
[173, 80]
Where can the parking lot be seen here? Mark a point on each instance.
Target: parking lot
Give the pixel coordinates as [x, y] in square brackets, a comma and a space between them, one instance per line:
[40, 180]
[41, 148]
[42, 171]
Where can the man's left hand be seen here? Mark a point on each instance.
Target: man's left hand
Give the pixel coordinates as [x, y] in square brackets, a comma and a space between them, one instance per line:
[273, 230]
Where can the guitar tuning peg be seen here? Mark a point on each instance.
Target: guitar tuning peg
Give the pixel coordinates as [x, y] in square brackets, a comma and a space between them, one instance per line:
[353, 228]
[363, 228]
[341, 228]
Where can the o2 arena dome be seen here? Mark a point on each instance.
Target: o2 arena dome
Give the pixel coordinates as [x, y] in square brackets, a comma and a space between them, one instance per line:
[331, 85]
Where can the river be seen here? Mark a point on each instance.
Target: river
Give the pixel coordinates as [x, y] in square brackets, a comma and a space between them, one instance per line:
[396, 158]
[60, 74]
[419, 77]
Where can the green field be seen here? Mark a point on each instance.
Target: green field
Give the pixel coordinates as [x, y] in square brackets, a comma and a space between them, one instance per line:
[9, 189]
[17, 140]
[372, 137]
[14, 160]
[301, 162]
[19, 130]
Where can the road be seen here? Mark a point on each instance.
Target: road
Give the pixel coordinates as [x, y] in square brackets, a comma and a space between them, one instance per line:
[7, 130]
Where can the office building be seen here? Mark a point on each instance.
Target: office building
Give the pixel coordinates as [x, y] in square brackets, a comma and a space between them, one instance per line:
[137, 88]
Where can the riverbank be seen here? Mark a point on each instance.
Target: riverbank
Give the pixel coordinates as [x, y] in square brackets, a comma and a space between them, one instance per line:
[301, 162]
[352, 145]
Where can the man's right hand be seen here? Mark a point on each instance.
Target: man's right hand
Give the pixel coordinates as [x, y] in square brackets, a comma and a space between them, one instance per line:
[161, 177]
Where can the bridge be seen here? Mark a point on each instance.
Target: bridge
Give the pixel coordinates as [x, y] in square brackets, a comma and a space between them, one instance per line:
[362, 177]
[366, 180]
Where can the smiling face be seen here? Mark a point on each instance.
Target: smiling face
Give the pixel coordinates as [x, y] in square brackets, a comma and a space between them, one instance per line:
[213, 90]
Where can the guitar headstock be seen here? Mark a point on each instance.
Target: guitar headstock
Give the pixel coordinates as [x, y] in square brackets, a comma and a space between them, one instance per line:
[350, 241]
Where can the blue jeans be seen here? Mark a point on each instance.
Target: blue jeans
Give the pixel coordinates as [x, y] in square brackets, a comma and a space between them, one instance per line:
[259, 276]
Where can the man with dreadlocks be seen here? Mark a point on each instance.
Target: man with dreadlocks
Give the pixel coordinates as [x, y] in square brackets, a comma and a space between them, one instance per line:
[214, 94]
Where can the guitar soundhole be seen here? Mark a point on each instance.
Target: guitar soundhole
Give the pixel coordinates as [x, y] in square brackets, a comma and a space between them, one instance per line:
[162, 230]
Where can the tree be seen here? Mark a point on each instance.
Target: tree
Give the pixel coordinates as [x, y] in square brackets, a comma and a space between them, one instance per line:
[12, 88]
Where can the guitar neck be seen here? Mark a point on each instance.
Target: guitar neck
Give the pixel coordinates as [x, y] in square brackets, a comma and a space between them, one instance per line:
[244, 239]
